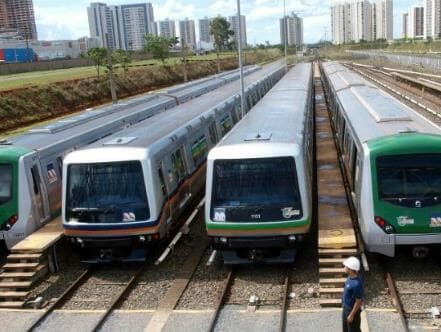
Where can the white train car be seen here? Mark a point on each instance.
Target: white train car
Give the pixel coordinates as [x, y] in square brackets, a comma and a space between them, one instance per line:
[31, 163]
[259, 177]
[126, 191]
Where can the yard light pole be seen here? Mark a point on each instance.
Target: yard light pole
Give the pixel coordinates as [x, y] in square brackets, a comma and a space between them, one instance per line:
[285, 39]
[239, 46]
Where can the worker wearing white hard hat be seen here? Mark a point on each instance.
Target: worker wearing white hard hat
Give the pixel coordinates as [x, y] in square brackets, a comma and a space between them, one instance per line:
[352, 296]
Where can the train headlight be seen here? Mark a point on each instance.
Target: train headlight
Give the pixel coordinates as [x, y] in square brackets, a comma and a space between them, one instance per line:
[292, 238]
[384, 225]
[10, 222]
[389, 229]
[141, 238]
[223, 240]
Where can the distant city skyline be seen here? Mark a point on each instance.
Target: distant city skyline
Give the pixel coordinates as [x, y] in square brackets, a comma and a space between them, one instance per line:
[62, 19]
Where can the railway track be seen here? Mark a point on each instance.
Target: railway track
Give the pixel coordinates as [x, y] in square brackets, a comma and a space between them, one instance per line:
[84, 278]
[226, 289]
[125, 287]
[404, 298]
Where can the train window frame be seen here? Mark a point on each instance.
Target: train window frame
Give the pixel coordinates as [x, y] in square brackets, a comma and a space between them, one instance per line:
[213, 133]
[226, 128]
[199, 149]
[60, 165]
[10, 170]
[179, 170]
[161, 177]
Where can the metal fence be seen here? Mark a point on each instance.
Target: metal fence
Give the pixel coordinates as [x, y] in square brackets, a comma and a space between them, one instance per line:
[423, 61]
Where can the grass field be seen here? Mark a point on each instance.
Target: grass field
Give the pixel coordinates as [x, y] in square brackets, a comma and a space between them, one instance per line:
[22, 80]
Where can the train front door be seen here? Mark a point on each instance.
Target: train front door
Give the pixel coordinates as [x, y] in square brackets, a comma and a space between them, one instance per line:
[40, 206]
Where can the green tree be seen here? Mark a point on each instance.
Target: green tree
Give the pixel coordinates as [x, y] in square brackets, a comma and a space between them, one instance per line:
[98, 55]
[220, 30]
[159, 46]
[123, 58]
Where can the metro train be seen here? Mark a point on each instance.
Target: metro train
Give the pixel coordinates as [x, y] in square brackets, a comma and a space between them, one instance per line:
[124, 193]
[392, 158]
[259, 177]
[31, 163]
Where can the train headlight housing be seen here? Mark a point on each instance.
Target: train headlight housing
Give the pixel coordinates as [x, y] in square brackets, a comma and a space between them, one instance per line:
[10, 222]
[223, 240]
[292, 238]
[384, 225]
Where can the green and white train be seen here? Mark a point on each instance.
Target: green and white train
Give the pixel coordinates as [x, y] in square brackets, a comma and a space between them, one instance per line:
[392, 159]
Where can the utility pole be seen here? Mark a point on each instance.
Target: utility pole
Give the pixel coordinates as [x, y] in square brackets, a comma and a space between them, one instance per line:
[239, 43]
[285, 30]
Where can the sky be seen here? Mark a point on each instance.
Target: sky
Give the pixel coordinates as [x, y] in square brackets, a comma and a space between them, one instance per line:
[67, 19]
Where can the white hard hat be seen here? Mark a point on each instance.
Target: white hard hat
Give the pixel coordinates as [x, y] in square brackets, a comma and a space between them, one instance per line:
[352, 263]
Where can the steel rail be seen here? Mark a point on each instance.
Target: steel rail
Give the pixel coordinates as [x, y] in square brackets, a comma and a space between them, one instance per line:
[396, 300]
[221, 298]
[285, 295]
[62, 299]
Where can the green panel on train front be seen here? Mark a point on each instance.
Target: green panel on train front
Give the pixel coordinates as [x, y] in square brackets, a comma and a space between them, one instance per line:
[405, 219]
[10, 155]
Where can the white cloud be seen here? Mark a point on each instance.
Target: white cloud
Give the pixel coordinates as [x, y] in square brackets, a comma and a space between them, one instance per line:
[174, 10]
[61, 22]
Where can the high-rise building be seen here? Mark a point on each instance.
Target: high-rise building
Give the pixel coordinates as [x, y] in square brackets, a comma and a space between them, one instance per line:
[234, 25]
[415, 23]
[204, 30]
[374, 20]
[100, 24]
[340, 23]
[167, 28]
[187, 33]
[432, 19]
[131, 23]
[121, 27]
[19, 15]
[360, 20]
[405, 32]
[291, 30]
[383, 19]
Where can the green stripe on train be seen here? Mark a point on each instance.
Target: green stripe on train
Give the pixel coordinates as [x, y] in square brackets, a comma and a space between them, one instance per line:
[267, 225]
[404, 143]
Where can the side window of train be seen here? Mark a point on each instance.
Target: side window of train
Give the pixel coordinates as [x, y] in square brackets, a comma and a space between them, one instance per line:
[250, 104]
[162, 181]
[178, 165]
[239, 111]
[226, 125]
[199, 150]
[213, 134]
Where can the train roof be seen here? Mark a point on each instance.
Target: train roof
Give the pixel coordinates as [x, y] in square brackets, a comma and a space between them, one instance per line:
[276, 123]
[165, 125]
[45, 136]
[373, 113]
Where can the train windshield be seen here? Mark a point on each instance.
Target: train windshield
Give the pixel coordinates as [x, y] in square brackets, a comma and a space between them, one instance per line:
[410, 180]
[256, 190]
[106, 193]
[5, 183]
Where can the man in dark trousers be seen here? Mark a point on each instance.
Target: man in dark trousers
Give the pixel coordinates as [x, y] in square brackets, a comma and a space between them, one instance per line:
[352, 296]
